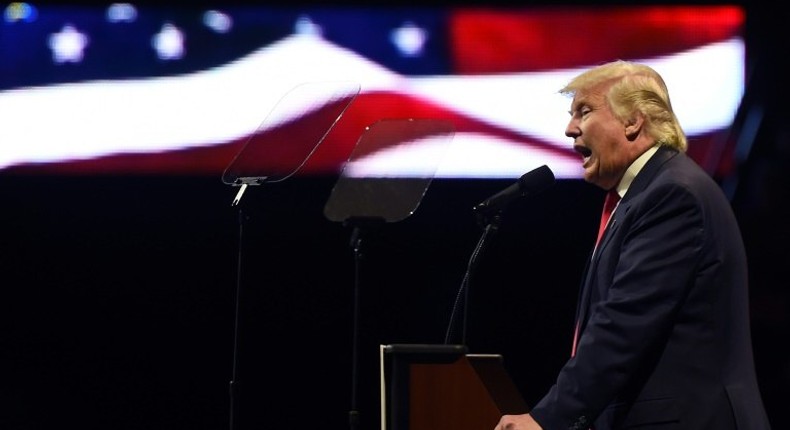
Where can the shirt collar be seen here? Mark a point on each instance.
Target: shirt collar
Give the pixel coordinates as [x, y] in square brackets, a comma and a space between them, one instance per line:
[633, 170]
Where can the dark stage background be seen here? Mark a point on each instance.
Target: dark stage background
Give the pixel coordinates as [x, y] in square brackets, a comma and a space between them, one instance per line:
[118, 292]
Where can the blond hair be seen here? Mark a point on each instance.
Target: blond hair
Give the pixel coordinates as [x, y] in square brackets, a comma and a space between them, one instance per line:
[635, 88]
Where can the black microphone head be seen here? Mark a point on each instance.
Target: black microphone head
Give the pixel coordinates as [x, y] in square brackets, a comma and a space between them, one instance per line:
[530, 182]
[536, 180]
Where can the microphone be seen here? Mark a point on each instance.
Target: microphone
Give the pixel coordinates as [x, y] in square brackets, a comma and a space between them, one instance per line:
[529, 183]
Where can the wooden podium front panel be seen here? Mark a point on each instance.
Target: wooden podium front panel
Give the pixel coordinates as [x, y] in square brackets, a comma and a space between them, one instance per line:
[441, 387]
[461, 395]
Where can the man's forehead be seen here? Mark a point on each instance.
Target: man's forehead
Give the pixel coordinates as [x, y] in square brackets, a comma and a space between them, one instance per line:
[583, 98]
[589, 96]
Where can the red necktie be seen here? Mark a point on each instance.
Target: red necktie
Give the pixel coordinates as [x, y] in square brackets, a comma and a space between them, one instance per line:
[609, 204]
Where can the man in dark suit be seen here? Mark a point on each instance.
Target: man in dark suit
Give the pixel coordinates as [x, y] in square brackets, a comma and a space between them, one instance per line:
[662, 335]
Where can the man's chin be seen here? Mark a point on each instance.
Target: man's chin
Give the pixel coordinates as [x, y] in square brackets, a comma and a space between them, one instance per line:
[594, 180]
[591, 177]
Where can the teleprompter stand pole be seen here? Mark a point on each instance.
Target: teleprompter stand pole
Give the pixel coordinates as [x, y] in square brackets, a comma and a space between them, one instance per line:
[361, 226]
[234, 382]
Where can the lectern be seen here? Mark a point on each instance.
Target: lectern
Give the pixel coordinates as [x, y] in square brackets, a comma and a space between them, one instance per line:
[429, 387]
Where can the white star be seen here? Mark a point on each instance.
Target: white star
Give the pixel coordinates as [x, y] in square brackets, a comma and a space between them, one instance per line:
[169, 42]
[20, 12]
[121, 12]
[218, 21]
[305, 25]
[67, 45]
[409, 39]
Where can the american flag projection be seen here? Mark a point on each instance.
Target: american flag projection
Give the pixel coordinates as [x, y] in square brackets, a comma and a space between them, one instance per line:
[124, 89]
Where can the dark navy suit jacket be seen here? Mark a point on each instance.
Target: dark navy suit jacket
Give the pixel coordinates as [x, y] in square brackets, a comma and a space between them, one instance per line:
[664, 315]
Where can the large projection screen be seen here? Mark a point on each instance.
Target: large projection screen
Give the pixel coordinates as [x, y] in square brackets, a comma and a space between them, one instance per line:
[145, 89]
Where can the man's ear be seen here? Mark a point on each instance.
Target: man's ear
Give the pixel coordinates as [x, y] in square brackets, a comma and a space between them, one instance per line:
[633, 126]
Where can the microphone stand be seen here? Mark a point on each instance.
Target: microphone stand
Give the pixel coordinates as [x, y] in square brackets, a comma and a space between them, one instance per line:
[490, 223]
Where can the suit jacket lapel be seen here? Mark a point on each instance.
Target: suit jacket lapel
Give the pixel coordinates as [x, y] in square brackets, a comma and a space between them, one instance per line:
[641, 181]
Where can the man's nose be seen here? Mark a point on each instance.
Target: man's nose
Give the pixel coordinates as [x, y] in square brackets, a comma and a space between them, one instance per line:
[571, 130]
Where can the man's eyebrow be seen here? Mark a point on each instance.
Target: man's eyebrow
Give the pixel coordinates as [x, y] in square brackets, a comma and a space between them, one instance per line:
[577, 105]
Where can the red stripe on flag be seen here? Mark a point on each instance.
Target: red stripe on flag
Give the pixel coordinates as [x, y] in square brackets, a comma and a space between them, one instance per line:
[495, 41]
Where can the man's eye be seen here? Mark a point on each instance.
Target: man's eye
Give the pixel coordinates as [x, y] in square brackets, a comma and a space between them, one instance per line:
[578, 113]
